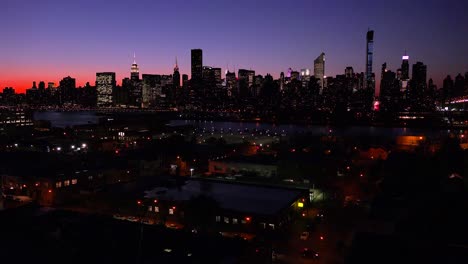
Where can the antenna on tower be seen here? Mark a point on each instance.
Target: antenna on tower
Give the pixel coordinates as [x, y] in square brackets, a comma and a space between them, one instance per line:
[134, 58]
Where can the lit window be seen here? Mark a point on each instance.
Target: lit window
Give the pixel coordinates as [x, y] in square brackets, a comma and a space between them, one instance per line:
[218, 218]
[156, 209]
[150, 208]
[243, 221]
[90, 177]
[226, 220]
[58, 184]
[171, 211]
[66, 183]
[272, 226]
[74, 181]
[234, 221]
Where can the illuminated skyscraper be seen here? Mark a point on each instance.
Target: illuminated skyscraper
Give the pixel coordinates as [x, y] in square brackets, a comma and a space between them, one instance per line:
[135, 71]
[369, 59]
[404, 77]
[405, 67]
[105, 83]
[319, 70]
[305, 77]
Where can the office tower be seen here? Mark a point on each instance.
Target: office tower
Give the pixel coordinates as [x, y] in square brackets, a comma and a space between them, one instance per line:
[405, 67]
[50, 85]
[305, 77]
[197, 64]
[185, 80]
[420, 75]
[150, 88]
[208, 75]
[384, 69]
[135, 71]
[41, 86]
[176, 75]
[105, 84]
[231, 83]
[217, 75]
[245, 81]
[281, 81]
[251, 78]
[459, 85]
[369, 59]
[295, 75]
[349, 72]
[67, 89]
[319, 70]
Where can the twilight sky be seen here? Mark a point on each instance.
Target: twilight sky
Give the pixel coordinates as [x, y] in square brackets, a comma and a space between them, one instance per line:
[50, 39]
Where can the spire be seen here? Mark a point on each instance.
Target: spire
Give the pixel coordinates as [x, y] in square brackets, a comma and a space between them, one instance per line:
[176, 67]
[134, 58]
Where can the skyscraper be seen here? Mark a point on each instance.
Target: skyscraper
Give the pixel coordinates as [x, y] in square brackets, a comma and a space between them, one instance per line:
[176, 75]
[105, 84]
[217, 75]
[135, 71]
[151, 86]
[404, 74]
[369, 59]
[319, 70]
[67, 89]
[420, 75]
[349, 72]
[405, 67]
[197, 64]
[305, 77]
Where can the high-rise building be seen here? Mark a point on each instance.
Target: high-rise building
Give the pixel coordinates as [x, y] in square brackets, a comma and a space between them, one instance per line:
[185, 80]
[197, 64]
[41, 86]
[295, 75]
[67, 89]
[231, 83]
[105, 84]
[134, 71]
[420, 75]
[319, 70]
[405, 67]
[384, 70]
[50, 85]
[176, 75]
[305, 77]
[369, 58]
[151, 85]
[281, 81]
[217, 75]
[349, 72]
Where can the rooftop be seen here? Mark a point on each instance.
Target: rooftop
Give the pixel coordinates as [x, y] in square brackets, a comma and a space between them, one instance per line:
[231, 196]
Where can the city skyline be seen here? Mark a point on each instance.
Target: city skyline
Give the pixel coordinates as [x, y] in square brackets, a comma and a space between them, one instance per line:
[41, 49]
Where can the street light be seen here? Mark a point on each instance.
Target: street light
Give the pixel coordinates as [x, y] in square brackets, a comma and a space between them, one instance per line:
[191, 172]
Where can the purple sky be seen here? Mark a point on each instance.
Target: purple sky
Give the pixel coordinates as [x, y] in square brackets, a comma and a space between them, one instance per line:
[49, 39]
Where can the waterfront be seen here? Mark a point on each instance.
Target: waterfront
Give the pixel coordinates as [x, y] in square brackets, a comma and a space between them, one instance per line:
[64, 119]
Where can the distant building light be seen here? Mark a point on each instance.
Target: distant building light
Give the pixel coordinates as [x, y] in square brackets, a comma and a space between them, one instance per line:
[405, 57]
[300, 205]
